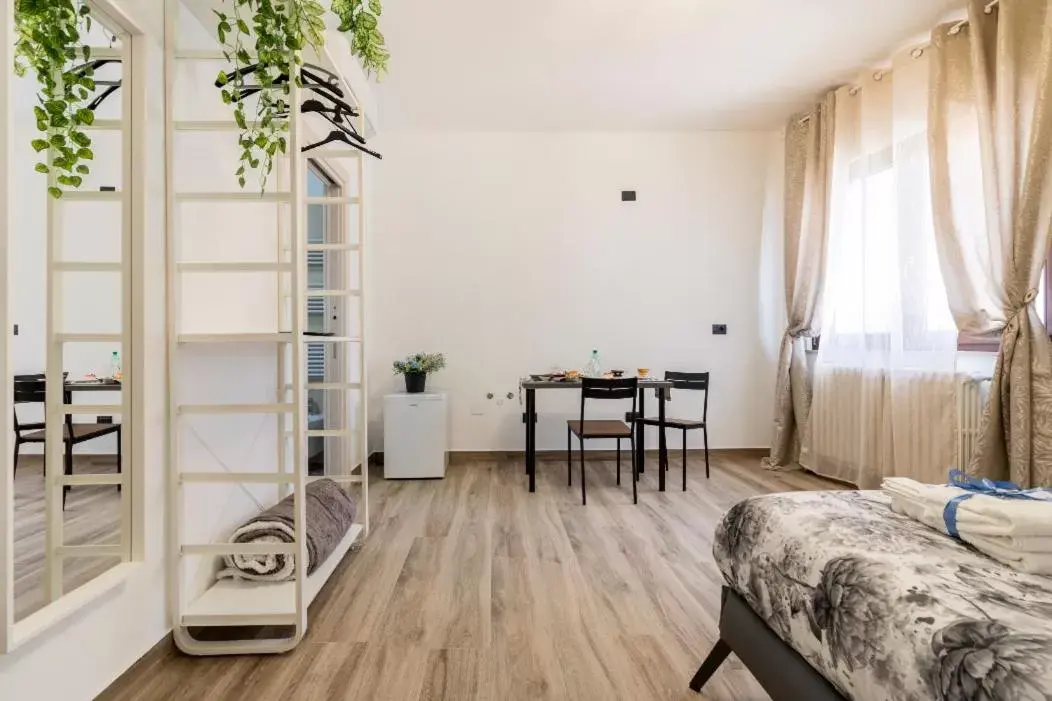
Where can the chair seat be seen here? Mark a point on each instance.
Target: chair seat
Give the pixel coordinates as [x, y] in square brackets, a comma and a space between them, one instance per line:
[600, 429]
[685, 424]
[81, 432]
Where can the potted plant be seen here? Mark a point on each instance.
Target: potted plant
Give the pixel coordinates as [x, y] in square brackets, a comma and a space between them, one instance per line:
[416, 368]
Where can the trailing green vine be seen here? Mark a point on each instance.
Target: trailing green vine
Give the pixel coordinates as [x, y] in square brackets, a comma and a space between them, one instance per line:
[47, 40]
[271, 34]
[361, 19]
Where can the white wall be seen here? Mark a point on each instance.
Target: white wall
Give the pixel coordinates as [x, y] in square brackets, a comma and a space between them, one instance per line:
[81, 656]
[512, 253]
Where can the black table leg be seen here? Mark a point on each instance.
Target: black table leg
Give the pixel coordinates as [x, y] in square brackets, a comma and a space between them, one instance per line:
[531, 437]
[641, 430]
[662, 448]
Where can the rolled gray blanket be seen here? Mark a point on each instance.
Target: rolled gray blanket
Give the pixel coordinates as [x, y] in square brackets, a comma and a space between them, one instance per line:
[330, 513]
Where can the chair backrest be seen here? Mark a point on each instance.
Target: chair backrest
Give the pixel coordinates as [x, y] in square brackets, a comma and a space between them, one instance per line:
[601, 388]
[30, 389]
[697, 381]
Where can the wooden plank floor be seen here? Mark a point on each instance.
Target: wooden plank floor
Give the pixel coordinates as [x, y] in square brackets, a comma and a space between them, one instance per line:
[472, 588]
[92, 517]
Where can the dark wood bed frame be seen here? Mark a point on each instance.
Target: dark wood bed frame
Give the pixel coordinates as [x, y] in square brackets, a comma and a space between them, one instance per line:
[781, 671]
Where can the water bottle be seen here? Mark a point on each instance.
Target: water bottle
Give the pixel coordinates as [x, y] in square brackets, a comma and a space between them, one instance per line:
[594, 369]
[115, 365]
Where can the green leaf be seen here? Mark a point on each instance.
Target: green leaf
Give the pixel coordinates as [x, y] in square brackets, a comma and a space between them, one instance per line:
[55, 192]
[239, 117]
[85, 116]
[242, 26]
[80, 138]
[375, 7]
[241, 181]
[83, 169]
[221, 79]
[85, 154]
[41, 168]
[85, 52]
[40, 145]
[58, 140]
[227, 99]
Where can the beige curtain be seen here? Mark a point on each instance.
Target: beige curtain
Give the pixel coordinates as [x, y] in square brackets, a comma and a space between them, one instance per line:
[883, 402]
[808, 161]
[991, 154]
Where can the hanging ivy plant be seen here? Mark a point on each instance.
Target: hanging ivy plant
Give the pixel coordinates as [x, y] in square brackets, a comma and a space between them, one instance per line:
[271, 34]
[360, 19]
[47, 41]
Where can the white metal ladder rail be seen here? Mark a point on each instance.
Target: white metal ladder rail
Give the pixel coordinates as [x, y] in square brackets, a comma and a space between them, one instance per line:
[55, 407]
[295, 339]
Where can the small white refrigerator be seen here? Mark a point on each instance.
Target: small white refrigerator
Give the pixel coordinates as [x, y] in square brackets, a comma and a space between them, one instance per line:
[416, 436]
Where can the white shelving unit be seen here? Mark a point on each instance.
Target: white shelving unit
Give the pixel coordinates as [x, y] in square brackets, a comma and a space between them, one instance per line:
[228, 603]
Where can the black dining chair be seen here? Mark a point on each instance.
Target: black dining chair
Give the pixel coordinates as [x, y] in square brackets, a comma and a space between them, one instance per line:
[594, 388]
[32, 389]
[699, 382]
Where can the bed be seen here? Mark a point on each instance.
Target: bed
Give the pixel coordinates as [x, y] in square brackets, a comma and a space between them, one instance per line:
[831, 595]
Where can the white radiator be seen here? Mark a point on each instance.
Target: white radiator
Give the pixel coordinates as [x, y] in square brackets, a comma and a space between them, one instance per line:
[972, 393]
[864, 427]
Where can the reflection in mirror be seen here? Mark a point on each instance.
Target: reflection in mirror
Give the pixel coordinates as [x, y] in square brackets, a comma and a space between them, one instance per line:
[69, 297]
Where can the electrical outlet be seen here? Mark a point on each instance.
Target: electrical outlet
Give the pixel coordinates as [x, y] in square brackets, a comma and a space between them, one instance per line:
[628, 195]
[719, 329]
[16, 329]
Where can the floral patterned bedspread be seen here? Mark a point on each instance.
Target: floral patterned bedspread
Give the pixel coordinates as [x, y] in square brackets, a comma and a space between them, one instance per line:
[884, 607]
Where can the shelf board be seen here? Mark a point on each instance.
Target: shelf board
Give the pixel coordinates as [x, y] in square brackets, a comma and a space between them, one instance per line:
[238, 602]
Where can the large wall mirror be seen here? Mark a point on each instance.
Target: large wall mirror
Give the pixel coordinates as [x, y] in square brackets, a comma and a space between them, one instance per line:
[69, 303]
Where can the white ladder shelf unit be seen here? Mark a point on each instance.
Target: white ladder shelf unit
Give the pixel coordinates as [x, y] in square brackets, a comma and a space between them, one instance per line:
[236, 603]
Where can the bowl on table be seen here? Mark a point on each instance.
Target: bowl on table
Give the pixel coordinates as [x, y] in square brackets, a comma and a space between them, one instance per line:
[643, 373]
[616, 374]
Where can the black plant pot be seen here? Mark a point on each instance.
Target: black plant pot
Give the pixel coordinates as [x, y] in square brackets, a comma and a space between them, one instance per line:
[415, 382]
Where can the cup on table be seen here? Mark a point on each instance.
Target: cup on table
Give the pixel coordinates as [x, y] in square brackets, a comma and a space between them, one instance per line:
[643, 372]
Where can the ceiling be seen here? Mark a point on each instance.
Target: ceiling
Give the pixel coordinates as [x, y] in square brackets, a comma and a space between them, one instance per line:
[644, 64]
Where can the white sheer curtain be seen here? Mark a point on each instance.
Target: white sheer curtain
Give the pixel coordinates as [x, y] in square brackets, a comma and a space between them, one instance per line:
[884, 387]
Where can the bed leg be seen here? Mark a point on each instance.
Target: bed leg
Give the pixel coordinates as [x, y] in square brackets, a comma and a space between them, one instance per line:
[716, 657]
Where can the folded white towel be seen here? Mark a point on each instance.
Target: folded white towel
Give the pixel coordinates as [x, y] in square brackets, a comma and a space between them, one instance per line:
[980, 514]
[1003, 549]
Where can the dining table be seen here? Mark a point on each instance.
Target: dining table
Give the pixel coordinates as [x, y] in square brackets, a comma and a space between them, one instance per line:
[529, 418]
[71, 386]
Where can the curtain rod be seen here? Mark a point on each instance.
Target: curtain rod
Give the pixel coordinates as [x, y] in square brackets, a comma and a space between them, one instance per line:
[917, 52]
[989, 9]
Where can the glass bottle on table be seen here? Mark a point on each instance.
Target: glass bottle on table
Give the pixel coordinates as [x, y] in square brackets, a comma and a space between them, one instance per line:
[115, 366]
[594, 368]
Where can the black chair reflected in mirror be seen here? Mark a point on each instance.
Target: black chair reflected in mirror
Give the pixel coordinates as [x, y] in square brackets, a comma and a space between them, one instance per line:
[594, 388]
[32, 389]
[698, 382]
